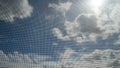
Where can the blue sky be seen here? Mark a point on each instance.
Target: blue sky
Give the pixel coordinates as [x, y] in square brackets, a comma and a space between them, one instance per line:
[59, 33]
[24, 33]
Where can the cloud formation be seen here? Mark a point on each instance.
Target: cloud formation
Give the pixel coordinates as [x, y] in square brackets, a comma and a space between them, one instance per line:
[69, 59]
[14, 9]
[85, 28]
[17, 60]
[57, 32]
[22, 58]
[61, 7]
[97, 59]
[88, 27]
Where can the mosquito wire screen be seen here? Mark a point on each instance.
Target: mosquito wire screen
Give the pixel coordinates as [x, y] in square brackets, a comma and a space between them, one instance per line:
[59, 33]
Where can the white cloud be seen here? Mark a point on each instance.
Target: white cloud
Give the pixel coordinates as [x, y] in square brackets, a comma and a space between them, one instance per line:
[61, 7]
[97, 59]
[102, 58]
[57, 32]
[72, 28]
[114, 15]
[30, 60]
[14, 9]
[22, 58]
[69, 59]
[85, 28]
[88, 27]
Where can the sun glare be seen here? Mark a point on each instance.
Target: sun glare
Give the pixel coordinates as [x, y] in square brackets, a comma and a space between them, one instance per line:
[96, 3]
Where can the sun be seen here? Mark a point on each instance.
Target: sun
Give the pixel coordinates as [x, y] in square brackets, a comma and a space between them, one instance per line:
[96, 3]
